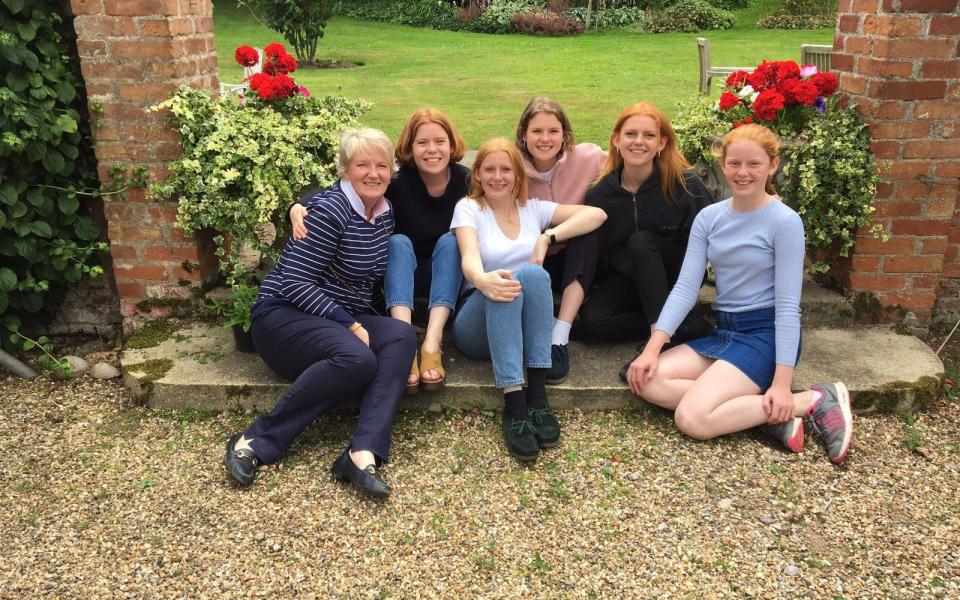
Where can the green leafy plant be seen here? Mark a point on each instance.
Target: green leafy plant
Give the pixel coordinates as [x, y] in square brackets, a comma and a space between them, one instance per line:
[416, 13]
[48, 179]
[300, 22]
[690, 15]
[236, 308]
[244, 162]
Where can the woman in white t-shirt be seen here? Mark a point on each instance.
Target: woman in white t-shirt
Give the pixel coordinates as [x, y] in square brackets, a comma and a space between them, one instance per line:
[503, 239]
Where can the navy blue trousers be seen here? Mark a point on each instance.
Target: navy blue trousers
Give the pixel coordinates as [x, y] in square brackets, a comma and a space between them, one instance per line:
[331, 367]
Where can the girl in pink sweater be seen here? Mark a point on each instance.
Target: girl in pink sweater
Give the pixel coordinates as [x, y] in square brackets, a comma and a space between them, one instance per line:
[559, 170]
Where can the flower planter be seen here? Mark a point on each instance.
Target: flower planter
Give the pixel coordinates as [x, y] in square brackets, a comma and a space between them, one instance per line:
[243, 340]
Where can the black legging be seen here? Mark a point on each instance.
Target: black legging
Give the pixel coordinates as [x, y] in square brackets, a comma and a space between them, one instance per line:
[621, 308]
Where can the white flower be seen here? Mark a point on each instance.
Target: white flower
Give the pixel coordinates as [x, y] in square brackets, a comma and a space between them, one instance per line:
[745, 91]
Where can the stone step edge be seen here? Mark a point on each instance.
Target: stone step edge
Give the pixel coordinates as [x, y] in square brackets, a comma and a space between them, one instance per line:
[892, 398]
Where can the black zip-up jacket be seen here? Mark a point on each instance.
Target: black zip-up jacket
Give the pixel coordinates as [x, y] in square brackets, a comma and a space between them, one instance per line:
[647, 210]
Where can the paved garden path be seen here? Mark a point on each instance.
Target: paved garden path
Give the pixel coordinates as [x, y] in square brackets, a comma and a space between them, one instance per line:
[102, 498]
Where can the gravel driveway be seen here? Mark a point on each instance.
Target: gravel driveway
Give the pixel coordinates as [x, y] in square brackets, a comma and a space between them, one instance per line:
[105, 499]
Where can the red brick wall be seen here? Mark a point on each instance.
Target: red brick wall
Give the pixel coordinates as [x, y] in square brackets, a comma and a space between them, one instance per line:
[133, 53]
[899, 61]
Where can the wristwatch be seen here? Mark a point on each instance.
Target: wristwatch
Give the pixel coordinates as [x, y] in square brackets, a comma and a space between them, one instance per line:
[549, 233]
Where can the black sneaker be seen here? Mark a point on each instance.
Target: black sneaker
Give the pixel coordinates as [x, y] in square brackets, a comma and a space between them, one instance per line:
[521, 438]
[546, 426]
[560, 368]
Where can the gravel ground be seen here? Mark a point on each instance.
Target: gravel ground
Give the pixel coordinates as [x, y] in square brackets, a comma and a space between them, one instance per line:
[105, 499]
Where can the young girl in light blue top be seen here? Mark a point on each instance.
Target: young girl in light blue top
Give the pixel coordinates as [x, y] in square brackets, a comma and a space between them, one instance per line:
[740, 376]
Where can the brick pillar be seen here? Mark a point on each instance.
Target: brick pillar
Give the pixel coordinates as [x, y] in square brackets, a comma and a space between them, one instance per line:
[898, 61]
[133, 53]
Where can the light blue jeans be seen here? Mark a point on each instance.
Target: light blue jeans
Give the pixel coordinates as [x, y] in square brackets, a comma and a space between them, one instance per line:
[514, 334]
[441, 275]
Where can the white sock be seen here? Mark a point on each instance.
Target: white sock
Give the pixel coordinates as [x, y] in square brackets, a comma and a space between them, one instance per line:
[561, 333]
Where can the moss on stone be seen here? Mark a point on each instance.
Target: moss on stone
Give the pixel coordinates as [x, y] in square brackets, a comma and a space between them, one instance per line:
[153, 369]
[151, 334]
[897, 396]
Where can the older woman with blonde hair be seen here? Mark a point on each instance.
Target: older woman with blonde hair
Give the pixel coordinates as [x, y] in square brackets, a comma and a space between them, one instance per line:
[423, 258]
[313, 323]
[506, 310]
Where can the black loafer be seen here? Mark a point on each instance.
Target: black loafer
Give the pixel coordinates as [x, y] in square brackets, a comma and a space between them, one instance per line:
[367, 479]
[547, 426]
[242, 464]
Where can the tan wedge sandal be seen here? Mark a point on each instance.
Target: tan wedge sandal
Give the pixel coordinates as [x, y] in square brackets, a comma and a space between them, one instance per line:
[432, 361]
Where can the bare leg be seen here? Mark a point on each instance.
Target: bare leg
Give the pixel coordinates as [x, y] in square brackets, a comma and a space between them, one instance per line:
[436, 321]
[405, 314]
[402, 313]
[724, 400]
[570, 302]
[679, 367]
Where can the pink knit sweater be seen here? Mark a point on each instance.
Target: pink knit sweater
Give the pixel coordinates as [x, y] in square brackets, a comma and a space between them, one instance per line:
[574, 173]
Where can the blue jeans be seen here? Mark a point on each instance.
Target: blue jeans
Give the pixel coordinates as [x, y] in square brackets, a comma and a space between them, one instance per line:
[513, 334]
[441, 275]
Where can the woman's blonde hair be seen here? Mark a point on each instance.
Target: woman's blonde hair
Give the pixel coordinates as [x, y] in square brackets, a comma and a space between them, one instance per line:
[520, 178]
[542, 104]
[358, 141]
[669, 161]
[422, 117]
[759, 135]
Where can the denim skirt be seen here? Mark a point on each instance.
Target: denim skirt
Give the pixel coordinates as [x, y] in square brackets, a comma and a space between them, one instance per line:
[747, 341]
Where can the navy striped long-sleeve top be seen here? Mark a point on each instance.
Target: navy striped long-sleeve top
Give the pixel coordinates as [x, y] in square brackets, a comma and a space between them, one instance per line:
[340, 243]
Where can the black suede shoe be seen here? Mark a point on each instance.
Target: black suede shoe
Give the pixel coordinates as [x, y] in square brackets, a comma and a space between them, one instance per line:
[546, 426]
[241, 464]
[560, 367]
[367, 479]
[521, 438]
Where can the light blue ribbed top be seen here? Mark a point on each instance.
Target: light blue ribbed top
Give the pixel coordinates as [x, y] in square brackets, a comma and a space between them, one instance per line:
[757, 256]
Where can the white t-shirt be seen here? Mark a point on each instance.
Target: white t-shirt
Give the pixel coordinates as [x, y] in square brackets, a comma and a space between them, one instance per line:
[497, 251]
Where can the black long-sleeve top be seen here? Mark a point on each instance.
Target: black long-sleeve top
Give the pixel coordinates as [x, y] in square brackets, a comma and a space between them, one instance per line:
[420, 216]
[646, 210]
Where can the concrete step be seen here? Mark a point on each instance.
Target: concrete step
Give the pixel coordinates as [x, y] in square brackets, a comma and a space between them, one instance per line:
[198, 368]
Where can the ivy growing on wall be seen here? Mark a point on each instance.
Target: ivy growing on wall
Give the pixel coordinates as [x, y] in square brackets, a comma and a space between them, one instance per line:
[47, 169]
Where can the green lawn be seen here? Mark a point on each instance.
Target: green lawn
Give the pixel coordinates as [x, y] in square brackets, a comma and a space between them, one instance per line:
[483, 81]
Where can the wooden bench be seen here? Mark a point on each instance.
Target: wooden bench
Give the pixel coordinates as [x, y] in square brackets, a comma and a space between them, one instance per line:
[816, 55]
[708, 71]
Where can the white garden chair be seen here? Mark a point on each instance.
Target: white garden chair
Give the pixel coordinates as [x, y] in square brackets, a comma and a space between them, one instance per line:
[240, 88]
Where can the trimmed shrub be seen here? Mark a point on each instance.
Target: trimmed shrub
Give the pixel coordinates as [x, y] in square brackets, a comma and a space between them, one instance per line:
[778, 21]
[300, 22]
[618, 17]
[496, 17]
[730, 4]
[415, 13]
[802, 14]
[545, 23]
[690, 16]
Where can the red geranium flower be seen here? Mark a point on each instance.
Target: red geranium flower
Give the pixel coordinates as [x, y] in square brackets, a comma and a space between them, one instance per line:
[826, 83]
[283, 85]
[275, 49]
[786, 69]
[728, 100]
[746, 121]
[805, 92]
[768, 104]
[737, 78]
[286, 63]
[762, 77]
[246, 56]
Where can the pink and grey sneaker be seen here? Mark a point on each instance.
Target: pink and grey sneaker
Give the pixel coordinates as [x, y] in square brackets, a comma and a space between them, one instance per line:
[832, 418]
[790, 434]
